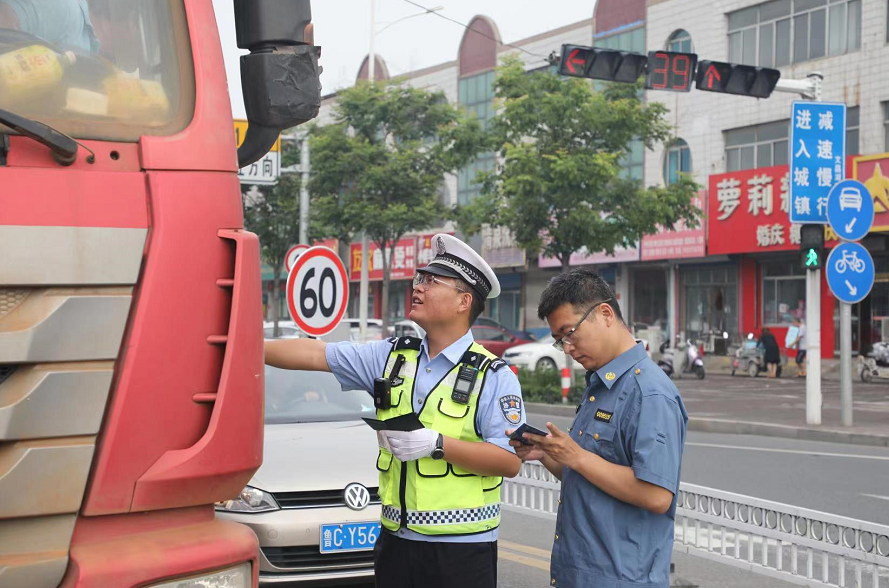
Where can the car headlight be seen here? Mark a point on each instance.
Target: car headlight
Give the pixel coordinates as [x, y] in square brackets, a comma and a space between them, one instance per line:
[237, 577]
[249, 500]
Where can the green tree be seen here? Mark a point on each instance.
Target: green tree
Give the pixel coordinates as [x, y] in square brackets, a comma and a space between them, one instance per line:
[558, 187]
[273, 214]
[380, 166]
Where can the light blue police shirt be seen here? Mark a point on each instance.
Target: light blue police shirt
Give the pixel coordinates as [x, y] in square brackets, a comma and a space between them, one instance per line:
[65, 23]
[356, 366]
[631, 415]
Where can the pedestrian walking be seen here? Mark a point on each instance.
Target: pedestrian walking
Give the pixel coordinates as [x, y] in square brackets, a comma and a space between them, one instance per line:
[772, 353]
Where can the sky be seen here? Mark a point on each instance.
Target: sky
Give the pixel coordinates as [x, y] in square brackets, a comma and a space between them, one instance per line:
[342, 29]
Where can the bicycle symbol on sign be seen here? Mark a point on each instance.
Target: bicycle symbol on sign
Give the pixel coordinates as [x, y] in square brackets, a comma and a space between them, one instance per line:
[851, 260]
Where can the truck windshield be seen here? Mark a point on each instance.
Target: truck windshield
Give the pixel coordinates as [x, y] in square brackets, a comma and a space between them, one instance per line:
[97, 69]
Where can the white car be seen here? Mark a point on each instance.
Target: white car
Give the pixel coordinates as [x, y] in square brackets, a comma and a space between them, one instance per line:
[541, 355]
[286, 330]
[850, 198]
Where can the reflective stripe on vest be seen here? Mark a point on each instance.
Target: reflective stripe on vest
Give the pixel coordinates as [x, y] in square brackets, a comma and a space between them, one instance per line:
[428, 496]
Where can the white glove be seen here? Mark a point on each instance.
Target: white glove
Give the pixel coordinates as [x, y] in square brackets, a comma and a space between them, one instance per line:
[383, 441]
[411, 445]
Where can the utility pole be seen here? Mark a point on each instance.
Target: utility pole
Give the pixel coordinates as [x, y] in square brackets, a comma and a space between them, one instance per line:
[305, 165]
[810, 89]
[363, 293]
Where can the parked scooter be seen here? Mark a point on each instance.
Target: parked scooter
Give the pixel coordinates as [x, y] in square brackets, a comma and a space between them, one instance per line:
[876, 364]
[750, 358]
[691, 360]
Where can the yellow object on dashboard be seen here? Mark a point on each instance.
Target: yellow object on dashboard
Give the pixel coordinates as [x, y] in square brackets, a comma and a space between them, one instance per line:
[31, 71]
[143, 100]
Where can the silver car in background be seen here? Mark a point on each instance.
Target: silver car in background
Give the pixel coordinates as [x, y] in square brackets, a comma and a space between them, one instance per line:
[314, 503]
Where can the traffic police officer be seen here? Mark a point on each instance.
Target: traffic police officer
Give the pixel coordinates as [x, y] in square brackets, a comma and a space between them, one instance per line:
[620, 461]
[439, 485]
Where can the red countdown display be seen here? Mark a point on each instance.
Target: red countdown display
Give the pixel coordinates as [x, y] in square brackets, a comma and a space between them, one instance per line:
[671, 71]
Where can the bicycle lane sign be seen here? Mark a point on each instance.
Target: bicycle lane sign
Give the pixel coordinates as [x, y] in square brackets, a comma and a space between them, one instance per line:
[850, 272]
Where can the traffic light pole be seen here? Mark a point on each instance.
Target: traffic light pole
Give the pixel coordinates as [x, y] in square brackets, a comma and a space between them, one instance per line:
[810, 89]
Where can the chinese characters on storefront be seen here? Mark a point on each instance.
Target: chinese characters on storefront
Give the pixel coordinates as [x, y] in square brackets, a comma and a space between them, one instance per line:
[680, 243]
[403, 261]
[499, 247]
[749, 212]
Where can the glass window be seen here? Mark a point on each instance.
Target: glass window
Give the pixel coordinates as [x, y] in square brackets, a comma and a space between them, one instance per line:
[711, 302]
[886, 126]
[757, 146]
[107, 69]
[311, 397]
[764, 35]
[476, 96]
[783, 294]
[679, 41]
[677, 160]
[852, 130]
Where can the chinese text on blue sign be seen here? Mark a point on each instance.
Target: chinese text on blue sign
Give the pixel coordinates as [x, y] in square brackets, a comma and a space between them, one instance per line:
[817, 158]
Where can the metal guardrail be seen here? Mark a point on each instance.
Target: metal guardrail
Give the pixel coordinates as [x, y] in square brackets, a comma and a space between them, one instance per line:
[785, 542]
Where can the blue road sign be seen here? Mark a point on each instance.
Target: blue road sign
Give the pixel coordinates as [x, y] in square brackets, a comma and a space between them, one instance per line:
[850, 210]
[850, 272]
[817, 158]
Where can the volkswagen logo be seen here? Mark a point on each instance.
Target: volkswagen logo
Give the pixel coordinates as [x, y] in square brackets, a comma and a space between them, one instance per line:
[357, 497]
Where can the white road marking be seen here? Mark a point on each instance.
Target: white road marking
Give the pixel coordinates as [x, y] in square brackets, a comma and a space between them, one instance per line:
[794, 451]
[876, 496]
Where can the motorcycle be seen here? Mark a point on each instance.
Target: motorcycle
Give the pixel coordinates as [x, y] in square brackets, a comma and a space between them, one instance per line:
[692, 362]
[750, 358]
[876, 364]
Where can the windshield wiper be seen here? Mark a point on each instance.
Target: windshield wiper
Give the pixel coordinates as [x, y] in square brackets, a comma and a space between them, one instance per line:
[63, 147]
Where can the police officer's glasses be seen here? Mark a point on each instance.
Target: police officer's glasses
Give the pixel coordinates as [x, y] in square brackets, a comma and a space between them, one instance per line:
[423, 282]
[569, 336]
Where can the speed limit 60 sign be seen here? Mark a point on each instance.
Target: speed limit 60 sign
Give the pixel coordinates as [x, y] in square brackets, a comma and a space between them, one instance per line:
[317, 291]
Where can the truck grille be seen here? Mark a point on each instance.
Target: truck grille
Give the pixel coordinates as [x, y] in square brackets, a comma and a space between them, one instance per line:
[307, 557]
[318, 498]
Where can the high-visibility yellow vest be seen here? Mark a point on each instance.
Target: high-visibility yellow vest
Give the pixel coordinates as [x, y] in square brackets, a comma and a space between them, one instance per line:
[430, 496]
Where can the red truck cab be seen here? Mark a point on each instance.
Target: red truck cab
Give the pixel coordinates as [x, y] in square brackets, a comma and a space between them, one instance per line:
[131, 359]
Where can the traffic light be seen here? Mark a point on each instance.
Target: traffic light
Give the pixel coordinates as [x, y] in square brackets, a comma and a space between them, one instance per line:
[729, 78]
[601, 64]
[669, 70]
[812, 246]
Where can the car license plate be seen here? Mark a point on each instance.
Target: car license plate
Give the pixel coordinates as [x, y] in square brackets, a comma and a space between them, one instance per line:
[349, 537]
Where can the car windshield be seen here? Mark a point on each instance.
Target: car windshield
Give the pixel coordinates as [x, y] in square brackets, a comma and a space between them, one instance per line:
[103, 69]
[311, 397]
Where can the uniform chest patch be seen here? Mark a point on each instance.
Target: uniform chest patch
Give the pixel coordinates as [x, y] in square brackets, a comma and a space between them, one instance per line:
[511, 407]
[604, 416]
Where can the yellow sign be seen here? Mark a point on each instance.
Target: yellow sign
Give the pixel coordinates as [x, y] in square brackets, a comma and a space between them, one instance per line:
[241, 131]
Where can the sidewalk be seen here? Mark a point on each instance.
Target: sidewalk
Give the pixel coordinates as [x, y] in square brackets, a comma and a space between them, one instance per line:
[830, 368]
[775, 408]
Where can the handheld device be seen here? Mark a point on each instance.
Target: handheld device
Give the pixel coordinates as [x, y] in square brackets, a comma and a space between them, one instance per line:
[526, 428]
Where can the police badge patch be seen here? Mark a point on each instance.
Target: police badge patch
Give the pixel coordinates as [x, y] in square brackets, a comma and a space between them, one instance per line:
[511, 407]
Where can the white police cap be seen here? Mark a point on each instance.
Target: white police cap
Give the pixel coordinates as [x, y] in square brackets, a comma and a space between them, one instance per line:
[456, 259]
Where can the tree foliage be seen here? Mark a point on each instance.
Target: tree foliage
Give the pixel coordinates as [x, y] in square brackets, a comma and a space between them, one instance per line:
[273, 214]
[379, 168]
[558, 186]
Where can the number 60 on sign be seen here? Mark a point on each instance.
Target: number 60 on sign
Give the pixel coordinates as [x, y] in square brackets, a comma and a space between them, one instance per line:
[317, 291]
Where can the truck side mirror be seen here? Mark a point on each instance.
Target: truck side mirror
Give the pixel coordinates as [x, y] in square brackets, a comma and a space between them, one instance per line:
[280, 78]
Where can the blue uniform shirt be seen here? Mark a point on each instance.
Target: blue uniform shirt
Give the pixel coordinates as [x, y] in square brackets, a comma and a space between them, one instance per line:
[631, 415]
[63, 22]
[356, 367]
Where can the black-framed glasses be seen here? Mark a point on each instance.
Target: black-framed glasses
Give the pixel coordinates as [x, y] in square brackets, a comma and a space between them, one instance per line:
[568, 337]
[424, 281]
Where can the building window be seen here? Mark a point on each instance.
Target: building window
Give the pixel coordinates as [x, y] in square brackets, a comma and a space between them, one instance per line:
[677, 160]
[711, 301]
[783, 293]
[632, 40]
[680, 41]
[781, 32]
[476, 95]
[853, 115]
[757, 146]
[886, 125]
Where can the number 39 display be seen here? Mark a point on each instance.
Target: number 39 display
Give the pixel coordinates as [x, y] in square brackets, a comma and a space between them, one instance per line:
[317, 291]
[668, 70]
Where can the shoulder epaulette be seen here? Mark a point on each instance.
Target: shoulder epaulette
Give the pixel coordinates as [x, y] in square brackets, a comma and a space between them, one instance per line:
[473, 358]
[408, 343]
[497, 364]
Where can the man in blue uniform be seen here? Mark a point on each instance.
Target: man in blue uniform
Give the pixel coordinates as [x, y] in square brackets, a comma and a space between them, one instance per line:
[620, 461]
[440, 484]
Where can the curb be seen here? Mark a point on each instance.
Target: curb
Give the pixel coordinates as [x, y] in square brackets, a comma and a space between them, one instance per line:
[735, 427]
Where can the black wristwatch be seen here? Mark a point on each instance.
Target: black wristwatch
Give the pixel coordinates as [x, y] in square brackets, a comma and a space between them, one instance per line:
[438, 452]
